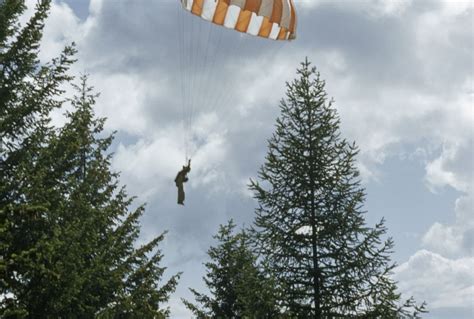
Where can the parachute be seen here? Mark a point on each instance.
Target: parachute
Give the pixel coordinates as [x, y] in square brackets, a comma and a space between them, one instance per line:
[273, 19]
[203, 41]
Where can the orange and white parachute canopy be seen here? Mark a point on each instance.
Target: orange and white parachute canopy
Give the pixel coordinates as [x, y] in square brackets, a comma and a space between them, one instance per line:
[272, 19]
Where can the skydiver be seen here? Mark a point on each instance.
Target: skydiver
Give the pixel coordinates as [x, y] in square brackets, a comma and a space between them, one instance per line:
[180, 179]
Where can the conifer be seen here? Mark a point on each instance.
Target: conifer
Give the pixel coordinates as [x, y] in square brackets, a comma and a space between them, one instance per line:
[310, 223]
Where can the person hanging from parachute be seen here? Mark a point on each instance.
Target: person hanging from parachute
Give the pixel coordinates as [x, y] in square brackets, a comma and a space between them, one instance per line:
[269, 19]
[180, 179]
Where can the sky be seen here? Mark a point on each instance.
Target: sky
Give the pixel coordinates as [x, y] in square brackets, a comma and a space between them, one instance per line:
[401, 76]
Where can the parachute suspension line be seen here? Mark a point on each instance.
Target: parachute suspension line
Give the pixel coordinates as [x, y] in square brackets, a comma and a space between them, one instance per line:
[207, 94]
[188, 26]
[192, 52]
[197, 57]
[198, 65]
[205, 88]
[189, 38]
[206, 69]
[181, 50]
[204, 72]
[186, 36]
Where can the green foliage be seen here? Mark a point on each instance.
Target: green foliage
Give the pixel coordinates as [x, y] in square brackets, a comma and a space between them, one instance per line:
[26, 97]
[310, 222]
[239, 289]
[67, 233]
[26, 87]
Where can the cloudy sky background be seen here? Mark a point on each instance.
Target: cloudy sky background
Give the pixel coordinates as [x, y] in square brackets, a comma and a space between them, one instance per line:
[401, 74]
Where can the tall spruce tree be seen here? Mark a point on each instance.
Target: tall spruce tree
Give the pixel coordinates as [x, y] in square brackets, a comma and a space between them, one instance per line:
[81, 259]
[28, 92]
[67, 234]
[310, 222]
[114, 279]
[239, 289]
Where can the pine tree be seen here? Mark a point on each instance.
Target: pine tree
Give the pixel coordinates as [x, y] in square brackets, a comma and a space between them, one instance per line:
[67, 234]
[83, 262]
[28, 92]
[310, 222]
[239, 289]
[115, 228]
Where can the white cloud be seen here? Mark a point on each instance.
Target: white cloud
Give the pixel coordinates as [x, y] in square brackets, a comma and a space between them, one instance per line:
[443, 171]
[376, 8]
[457, 7]
[62, 27]
[441, 282]
[446, 240]
[122, 101]
[455, 239]
[95, 6]
[179, 310]
[453, 168]
[389, 7]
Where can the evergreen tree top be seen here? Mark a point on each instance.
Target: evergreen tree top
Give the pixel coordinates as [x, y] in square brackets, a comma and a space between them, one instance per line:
[310, 222]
